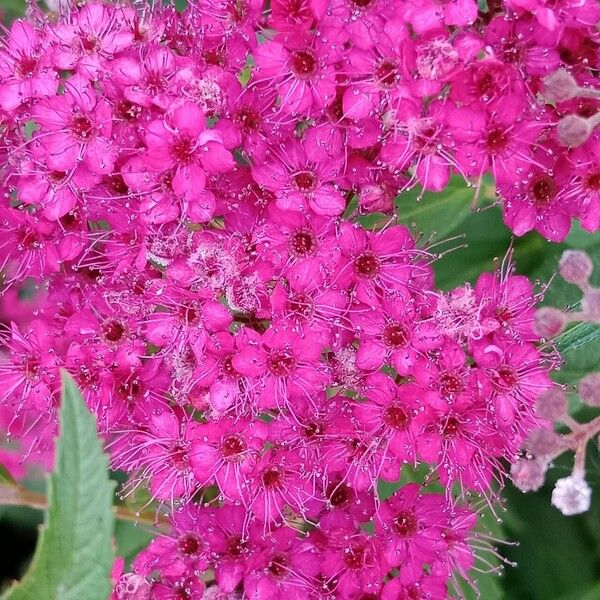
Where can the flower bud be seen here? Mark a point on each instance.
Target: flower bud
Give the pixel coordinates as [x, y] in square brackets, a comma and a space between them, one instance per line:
[589, 389]
[572, 495]
[575, 267]
[551, 404]
[528, 474]
[573, 131]
[543, 443]
[560, 86]
[549, 321]
[590, 303]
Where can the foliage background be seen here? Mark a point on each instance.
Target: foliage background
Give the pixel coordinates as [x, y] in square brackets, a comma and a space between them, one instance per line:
[558, 558]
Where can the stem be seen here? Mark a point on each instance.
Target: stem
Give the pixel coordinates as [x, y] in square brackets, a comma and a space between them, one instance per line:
[20, 496]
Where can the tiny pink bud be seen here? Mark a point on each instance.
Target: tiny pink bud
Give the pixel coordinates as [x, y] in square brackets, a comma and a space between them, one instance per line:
[528, 474]
[549, 321]
[572, 495]
[589, 389]
[551, 404]
[543, 443]
[560, 86]
[590, 303]
[575, 267]
[573, 131]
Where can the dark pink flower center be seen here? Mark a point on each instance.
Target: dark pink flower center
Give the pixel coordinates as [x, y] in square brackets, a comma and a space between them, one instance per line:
[26, 66]
[354, 556]
[302, 242]
[395, 336]
[179, 457]
[338, 494]
[396, 417]
[128, 111]
[82, 128]
[303, 63]
[450, 384]
[129, 390]
[188, 544]
[405, 523]
[496, 140]
[248, 119]
[272, 477]
[503, 314]
[362, 3]
[188, 314]
[592, 181]
[305, 181]
[367, 265]
[386, 73]
[506, 377]
[182, 150]
[313, 430]
[113, 331]
[278, 566]
[450, 427]
[281, 364]
[301, 305]
[236, 546]
[232, 446]
[90, 43]
[543, 189]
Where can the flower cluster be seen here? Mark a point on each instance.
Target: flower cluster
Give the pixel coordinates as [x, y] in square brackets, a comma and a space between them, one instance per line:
[183, 198]
[572, 494]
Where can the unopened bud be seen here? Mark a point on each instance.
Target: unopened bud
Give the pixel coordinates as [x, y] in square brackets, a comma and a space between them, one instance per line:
[543, 442]
[572, 495]
[551, 404]
[560, 86]
[590, 303]
[528, 474]
[575, 267]
[549, 321]
[573, 131]
[589, 389]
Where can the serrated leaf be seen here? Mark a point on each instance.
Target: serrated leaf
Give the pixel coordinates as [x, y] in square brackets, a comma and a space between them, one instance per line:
[74, 555]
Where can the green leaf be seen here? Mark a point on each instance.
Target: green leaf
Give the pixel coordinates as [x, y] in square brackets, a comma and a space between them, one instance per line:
[435, 213]
[74, 555]
[578, 336]
[6, 478]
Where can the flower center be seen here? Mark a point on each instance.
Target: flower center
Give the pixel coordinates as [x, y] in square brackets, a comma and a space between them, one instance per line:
[248, 119]
[305, 181]
[188, 314]
[303, 63]
[26, 66]
[82, 128]
[313, 430]
[113, 331]
[543, 189]
[272, 478]
[354, 556]
[182, 150]
[302, 242]
[281, 364]
[278, 566]
[178, 457]
[395, 416]
[592, 181]
[127, 110]
[362, 4]
[496, 140]
[301, 305]
[338, 494]
[405, 523]
[506, 377]
[188, 544]
[90, 44]
[450, 427]
[232, 446]
[395, 336]
[367, 265]
[450, 384]
[236, 546]
[130, 390]
[386, 73]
